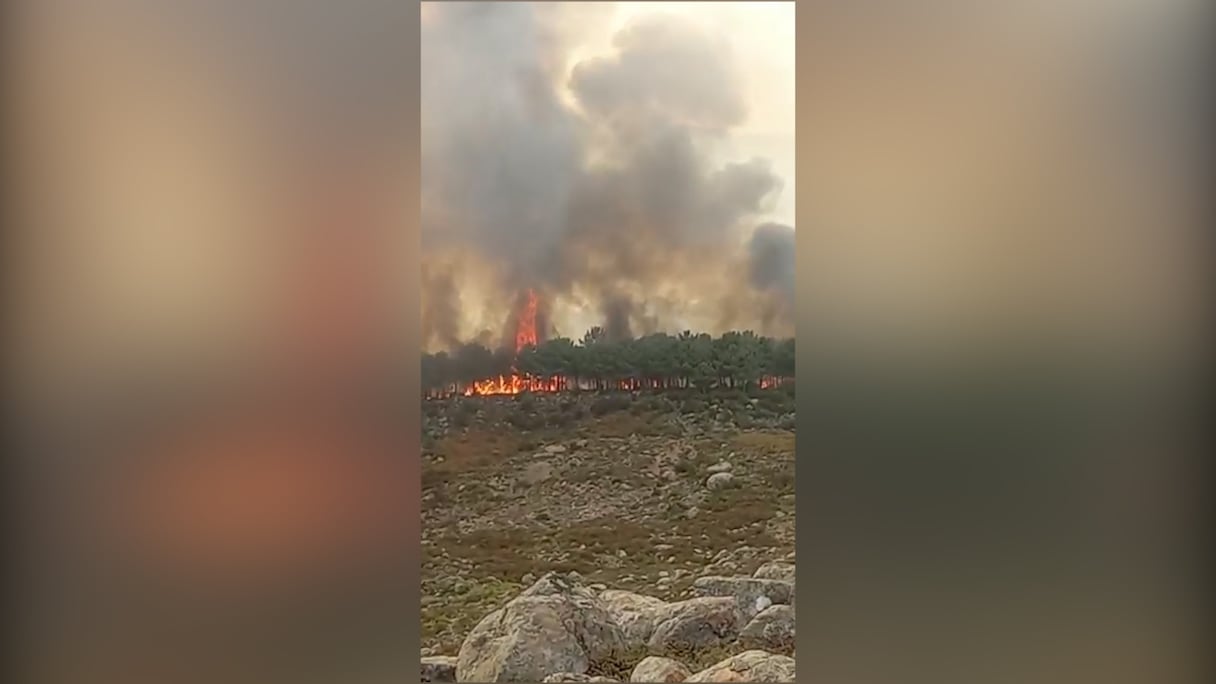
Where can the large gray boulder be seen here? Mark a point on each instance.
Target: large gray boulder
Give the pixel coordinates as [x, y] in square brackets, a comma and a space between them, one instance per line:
[635, 614]
[749, 666]
[750, 593]
[686, 627]
[772, 630]
[556, 625]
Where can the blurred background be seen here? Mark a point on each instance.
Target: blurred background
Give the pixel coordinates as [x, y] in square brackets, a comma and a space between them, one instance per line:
[1002, 326]
[211, 356]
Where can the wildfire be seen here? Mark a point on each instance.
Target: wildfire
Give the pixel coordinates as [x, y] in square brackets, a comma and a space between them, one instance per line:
[525, 336]
[525, 328]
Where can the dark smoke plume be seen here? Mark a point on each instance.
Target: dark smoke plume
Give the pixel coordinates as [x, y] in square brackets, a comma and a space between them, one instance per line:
[593, 183]
[772, 264]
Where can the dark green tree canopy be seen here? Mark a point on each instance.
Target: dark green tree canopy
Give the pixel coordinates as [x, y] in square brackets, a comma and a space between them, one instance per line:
[660, 361]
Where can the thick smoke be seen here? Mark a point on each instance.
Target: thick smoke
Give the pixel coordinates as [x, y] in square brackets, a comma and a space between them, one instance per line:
[772, 265]
[592, 181]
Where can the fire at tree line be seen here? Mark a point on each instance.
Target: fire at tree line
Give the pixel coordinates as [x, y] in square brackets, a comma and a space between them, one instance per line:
[660, 361]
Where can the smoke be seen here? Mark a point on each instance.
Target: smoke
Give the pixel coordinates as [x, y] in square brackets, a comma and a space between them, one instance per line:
[594, 181]
[772, 265]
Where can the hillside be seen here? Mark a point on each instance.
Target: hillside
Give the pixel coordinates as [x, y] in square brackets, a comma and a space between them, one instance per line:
[610, 486]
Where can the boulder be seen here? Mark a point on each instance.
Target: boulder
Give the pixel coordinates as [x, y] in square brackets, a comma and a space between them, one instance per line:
[696, 624]
[537, 472]
[749, 666]
[635, 614]
[575, 677]
[751, 594]
[772, 630]
[556, 625]
[719, 480]
[776, 570]
[658, 669]
[438, 669]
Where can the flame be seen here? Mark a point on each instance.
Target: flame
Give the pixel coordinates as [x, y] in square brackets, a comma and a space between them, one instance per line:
[525, 326]
[525, 336]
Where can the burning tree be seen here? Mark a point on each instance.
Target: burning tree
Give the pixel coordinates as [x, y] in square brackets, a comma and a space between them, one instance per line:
[735, 359]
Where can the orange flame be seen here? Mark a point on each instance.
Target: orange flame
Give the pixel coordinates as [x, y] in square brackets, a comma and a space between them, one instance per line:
[525, 335]
[525, 326]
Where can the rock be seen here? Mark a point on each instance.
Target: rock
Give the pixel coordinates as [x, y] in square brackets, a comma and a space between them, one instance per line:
[772, 630]
[693, 625]
[438, 669]
[719, 480]
[555, 449]
[719, 467]
[555, 625]
[776, 570]
[635, 614]
[658, 669]
[745, 590]
[748, 666]
[575, 677]
[537, 472]
[761, 603]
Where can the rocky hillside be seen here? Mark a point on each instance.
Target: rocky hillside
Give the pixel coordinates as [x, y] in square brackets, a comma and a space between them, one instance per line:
[736, 629]
[652, 495]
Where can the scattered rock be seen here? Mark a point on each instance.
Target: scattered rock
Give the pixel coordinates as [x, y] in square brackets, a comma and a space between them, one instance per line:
[719, 480]
[659, 669]
[555, 449]
[438, 669]
[771, 630]
[749, 666]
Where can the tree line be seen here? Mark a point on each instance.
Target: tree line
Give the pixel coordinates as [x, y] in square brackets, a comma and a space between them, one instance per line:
[735, 359]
